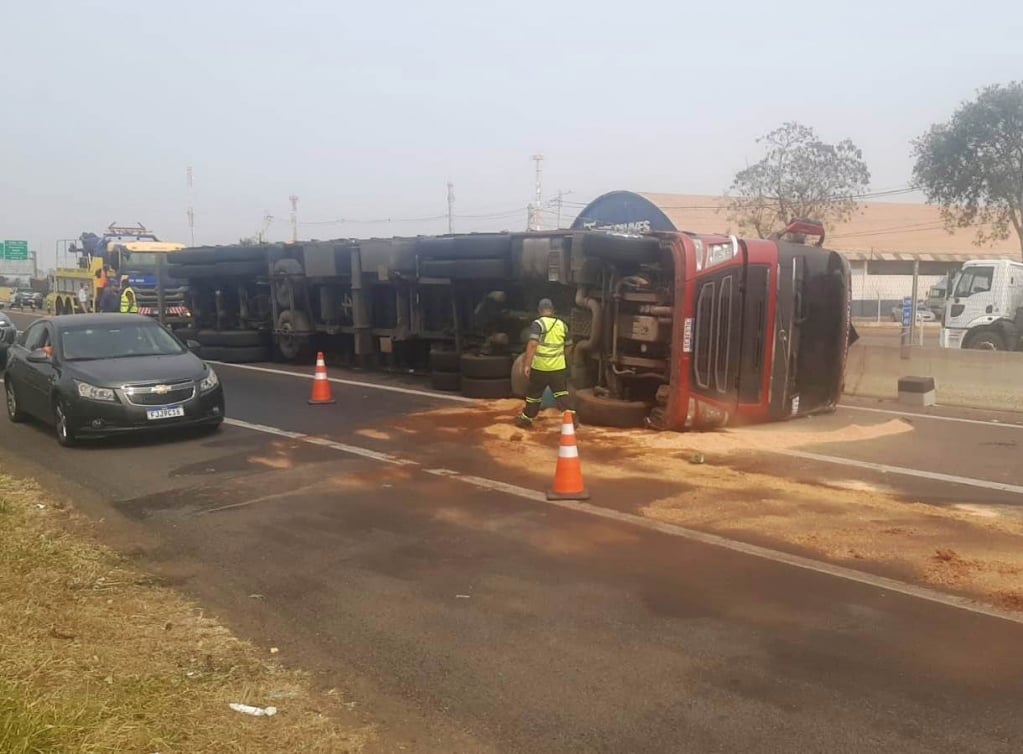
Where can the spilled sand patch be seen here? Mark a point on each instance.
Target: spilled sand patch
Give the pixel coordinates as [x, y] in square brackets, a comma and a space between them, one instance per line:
[847, 521]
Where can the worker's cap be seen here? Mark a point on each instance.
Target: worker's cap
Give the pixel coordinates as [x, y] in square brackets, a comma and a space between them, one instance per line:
[545, 305]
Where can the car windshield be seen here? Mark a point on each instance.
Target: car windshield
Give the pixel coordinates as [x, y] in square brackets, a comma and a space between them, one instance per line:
[117, 341]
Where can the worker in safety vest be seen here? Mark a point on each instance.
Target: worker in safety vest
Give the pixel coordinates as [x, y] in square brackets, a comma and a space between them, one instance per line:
[128, 303]
[545, 364]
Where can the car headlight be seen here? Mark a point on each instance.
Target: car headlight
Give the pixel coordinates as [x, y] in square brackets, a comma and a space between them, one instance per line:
[93, 393]
[209, 382]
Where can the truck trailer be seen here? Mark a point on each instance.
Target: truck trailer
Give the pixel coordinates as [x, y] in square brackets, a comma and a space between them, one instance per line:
[668, 330]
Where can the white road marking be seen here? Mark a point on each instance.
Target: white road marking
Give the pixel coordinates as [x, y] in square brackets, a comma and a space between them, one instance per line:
[323, 442]
[986, 423]
[354, 383]
[714, 540]
[903, 471]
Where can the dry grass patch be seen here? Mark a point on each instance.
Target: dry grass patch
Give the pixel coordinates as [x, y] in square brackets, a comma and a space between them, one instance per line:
[96, 658]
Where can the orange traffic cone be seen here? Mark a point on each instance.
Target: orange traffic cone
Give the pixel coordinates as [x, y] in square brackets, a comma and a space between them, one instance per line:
[568, 476]
[321, 385]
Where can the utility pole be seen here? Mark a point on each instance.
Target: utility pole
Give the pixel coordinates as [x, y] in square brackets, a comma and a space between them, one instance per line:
[451, 207]
[536, 216]
[558, 203]
[267, 219]
[191, 211]
[294, 218]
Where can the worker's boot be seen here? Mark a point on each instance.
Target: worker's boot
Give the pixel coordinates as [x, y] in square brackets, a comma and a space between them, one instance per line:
[523, 422]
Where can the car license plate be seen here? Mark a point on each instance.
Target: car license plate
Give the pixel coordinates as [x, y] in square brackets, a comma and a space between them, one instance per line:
[169, 412]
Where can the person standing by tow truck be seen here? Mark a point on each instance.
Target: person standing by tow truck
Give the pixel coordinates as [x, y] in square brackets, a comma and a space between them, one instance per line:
[83, 299]
[544, 364]
[129, 305]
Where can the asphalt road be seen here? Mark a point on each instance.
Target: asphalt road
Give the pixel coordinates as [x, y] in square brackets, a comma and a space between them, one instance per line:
[464, 619]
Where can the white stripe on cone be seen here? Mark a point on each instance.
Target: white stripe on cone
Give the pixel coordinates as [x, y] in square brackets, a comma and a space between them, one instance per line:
[568, 451]
[568, 428]
[319, 376]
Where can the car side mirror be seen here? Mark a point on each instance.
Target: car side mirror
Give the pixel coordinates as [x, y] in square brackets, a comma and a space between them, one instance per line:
[39, 356]
[193, 345]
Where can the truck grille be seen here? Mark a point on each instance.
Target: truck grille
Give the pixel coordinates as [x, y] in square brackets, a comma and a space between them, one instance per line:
[159, 394]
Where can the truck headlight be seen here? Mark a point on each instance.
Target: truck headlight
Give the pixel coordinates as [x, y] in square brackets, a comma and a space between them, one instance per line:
[209, 382]
[93, 393]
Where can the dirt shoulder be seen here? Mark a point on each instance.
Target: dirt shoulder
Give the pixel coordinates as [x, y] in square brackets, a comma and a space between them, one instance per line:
[966, 549]
[95, 657]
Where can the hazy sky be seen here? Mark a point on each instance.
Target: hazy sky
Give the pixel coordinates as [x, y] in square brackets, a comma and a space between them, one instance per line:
[366, 110]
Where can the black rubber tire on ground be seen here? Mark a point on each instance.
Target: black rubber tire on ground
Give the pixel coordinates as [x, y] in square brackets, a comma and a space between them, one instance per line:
[449, 381]
[186, 333]
[487, 388]
[242, 355]
[519, 380]
[482, 367]
[231, 338]
[212, 254]
[986, 340]
[17, 415]
[609, 412]
[444, 360]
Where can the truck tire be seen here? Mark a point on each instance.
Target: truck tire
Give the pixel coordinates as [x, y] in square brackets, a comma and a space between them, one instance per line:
[231, 355]
[488, 389]
[444, 360]
[212, 254]
[482, 367]
[985, 340]
[473, 246]
[519, 380]
[287, 267]
[448, 381]
[231, 338]
[293, 336]
[609, 412]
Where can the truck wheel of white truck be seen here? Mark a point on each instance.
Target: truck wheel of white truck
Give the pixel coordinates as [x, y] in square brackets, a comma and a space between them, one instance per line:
[985, 340]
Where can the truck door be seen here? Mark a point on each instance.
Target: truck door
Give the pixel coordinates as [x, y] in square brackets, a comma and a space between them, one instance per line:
[974, 297]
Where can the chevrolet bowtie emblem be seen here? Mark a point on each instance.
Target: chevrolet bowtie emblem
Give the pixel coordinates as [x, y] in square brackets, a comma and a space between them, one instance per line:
[161, 389]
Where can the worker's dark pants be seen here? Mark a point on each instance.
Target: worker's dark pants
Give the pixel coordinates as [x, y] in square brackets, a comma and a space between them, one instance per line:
[539, 381]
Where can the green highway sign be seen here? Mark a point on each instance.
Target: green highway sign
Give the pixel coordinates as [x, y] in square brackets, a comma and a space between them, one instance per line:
[14, 251]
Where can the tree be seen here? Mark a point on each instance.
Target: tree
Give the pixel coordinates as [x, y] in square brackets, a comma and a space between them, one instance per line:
[800, 177]
[972, 166]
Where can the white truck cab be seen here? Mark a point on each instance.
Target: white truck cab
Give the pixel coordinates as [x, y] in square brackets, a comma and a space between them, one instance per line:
[985, 308]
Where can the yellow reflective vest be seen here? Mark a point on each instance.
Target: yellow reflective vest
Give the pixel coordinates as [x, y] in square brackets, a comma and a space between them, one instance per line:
[550, 352]
[129, 304]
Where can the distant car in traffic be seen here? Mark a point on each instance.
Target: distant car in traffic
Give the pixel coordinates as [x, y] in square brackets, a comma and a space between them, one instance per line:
[96, 375]
[8, 333]
[26, 299]
[923, 314]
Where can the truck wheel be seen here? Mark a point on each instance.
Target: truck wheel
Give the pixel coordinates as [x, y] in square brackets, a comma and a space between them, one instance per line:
[519, 380]
[609, 412]
[444, 360]
[986, 340]
[287, 267]
[293, 331]
[235, 355]
[231, 338]
[482, 367]
[449, 381]
[486, 388]
[59, 307]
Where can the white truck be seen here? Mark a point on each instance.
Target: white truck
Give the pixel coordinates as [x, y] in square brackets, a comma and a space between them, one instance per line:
[985, 309]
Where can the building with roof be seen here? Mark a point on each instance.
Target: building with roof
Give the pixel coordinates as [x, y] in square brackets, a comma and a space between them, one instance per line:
[881, 241]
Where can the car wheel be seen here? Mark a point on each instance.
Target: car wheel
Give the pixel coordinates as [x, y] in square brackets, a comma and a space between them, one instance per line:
[62, 425]
[14, 412]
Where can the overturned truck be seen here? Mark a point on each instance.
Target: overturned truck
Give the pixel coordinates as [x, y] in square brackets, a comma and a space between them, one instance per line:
[668, 330]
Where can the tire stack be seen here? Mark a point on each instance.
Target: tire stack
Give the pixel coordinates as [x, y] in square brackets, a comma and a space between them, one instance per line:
[218, 263]
[486, 376]
[445, 370]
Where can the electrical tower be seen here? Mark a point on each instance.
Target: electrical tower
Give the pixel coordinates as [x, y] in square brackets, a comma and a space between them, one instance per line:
[191, 212]
[451, 207]
[294, 218]
[558, 203]
[536, 215]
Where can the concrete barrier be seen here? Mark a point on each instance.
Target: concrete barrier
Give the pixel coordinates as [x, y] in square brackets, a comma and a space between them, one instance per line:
[974, 379]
